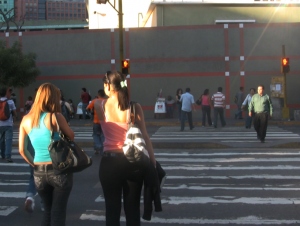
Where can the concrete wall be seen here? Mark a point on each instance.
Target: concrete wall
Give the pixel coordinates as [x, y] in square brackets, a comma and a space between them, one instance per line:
[167, 58]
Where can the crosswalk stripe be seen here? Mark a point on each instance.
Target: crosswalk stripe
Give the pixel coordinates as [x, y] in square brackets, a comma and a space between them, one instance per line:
[221, 176]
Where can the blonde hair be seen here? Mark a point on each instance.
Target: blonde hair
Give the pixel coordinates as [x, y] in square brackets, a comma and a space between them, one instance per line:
[47, 99]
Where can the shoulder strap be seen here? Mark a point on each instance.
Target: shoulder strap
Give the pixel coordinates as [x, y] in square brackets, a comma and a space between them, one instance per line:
[132, 112]
[52, 134]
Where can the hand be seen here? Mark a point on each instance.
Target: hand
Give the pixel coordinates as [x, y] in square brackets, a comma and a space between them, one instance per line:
[250, 113]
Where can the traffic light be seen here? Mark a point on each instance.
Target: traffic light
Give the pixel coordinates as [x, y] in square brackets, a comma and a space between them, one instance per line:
[125, 67]
[101, 1]
[285, 65]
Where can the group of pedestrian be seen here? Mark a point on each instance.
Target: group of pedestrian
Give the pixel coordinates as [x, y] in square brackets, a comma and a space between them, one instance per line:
[120, 179]
[258, 107]
[186, 104]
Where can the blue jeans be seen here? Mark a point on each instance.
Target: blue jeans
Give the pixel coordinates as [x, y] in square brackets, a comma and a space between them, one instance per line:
[84, 110]
[6, 135]
[31, 191]
[239, 114]
[248, 121]
[54, 191]
[190, 119]
[98, 137]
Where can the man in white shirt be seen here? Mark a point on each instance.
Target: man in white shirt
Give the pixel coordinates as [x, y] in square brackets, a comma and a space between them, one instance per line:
[188, 103]
[6, 126]
[219, 104]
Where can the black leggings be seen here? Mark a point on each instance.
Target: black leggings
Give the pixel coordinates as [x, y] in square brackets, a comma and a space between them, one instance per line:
[118, 177]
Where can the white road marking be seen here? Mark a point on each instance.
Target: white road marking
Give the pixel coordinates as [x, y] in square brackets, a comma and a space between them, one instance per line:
[6, 210]
[248, 220]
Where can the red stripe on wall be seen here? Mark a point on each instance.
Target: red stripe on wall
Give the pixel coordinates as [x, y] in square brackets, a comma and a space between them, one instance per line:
[68, 77]
[76, 62]
[181, 74]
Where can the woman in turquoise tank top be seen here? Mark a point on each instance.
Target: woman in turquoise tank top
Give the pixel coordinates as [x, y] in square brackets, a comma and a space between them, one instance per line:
[35, 126]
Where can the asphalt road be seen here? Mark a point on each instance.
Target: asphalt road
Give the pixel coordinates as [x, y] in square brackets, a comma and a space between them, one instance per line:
[241, 182]
[236, 186]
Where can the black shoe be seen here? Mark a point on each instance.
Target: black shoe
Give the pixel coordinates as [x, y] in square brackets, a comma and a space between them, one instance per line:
[9, 160]
[262, 140]
[192, 128]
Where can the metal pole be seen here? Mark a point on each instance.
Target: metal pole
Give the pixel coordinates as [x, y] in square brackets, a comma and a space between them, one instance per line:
[285, 110]
[121, 33]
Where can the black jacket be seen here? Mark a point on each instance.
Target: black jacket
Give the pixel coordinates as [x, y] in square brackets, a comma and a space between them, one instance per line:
[152, 180]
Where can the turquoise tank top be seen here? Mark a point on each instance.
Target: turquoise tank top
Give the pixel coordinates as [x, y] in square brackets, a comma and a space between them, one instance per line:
[40, 138]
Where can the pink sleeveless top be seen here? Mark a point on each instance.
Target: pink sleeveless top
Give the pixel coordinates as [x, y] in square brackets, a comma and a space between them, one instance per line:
[114, 133]
[205, 100]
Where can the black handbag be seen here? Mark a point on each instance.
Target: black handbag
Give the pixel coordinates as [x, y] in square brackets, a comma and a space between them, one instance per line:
[66, 155]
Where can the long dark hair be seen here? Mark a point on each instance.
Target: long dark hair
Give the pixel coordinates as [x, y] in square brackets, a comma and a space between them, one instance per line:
[206, 91]
[118, 81]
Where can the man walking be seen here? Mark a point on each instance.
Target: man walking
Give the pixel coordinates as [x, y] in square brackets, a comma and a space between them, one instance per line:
[6, 126]
[219, 104]
[238, 99]
[98, 135]
[261, 105]
[188, 103]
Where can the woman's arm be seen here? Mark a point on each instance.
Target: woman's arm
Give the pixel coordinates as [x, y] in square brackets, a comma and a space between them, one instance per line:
[59, 119]
[140, 122]
[23, 144]
[98, 109]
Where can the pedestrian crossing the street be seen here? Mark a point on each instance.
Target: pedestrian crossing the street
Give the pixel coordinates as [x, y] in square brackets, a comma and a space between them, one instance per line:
[203, 187]
[224, 134]
[225, 187]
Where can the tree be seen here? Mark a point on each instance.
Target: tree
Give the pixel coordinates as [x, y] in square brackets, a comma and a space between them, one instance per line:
[16, 68]
[9, 17]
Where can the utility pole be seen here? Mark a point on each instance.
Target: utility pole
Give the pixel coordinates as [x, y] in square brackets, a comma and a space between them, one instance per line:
[120, 14]
[285, 109]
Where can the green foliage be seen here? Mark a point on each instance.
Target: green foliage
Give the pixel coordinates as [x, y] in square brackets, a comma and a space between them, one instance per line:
[16, 68]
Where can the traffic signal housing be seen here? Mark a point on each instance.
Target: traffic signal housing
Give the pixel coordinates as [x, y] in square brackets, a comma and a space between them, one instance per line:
[101, 1]
[125, 67]
[285, 65]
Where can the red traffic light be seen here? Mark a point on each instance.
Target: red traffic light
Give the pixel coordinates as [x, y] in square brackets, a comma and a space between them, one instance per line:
[125, 67]
[285, 61]
[285, 65]
[125, 63]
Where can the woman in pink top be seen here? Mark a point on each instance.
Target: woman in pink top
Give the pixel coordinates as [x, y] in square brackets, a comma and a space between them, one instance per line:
[206, 106]
[118, 176]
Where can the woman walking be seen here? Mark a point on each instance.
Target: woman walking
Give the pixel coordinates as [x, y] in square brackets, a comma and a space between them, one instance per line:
[178, 103]
[206, 107]
[117, 175]
[36, 127]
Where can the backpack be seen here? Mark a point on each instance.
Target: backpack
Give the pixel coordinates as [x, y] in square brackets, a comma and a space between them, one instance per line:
[4, 110]
[65, 111]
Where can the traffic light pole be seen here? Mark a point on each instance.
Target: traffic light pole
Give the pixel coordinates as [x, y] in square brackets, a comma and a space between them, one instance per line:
[120, 14]
[121, 48]
[285, 109]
